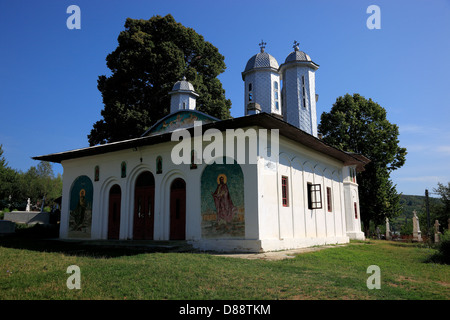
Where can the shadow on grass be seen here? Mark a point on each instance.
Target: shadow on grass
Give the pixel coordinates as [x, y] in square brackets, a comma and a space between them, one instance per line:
[45, 239]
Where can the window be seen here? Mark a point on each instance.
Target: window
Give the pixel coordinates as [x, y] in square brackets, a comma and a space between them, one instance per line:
[275, 93]
[314, 196]
[285, 191]
[353, 175]
[330, 207]
[356, 210]
[250, 87]
[250, 97]
[303, 91]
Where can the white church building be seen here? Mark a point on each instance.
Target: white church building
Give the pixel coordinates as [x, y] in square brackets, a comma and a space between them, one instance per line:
[297, 192]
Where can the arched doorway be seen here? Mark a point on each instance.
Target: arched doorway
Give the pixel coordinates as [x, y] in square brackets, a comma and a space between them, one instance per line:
[178, 209]
[144, 206]
[115, 198]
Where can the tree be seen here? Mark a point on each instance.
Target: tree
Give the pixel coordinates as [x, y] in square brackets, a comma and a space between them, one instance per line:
[442, 212]
[358, 125]
[151, 56]
[8, 181]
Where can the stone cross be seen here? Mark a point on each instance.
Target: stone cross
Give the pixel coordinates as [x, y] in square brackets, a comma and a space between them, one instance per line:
[436, 231]
[416, 228]
[388, 231]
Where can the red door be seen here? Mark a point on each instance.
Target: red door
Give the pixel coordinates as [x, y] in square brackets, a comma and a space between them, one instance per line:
[178, 210]
[144, 204]
[115, 196]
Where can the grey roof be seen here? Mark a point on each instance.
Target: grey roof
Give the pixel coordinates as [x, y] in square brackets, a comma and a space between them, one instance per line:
[297, 55]
[183, 85]
[261, 60]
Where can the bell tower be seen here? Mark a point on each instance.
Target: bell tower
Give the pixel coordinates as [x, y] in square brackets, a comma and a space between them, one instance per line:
[299, 90]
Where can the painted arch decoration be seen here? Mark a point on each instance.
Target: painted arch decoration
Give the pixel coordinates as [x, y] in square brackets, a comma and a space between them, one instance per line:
[80, 209]
[222, 201]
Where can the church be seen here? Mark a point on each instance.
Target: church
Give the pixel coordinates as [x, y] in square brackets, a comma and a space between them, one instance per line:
[160, 187]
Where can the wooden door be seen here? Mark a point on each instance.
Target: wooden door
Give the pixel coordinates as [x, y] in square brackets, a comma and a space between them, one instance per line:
[143, 222]
[178, 210]
[115, 197]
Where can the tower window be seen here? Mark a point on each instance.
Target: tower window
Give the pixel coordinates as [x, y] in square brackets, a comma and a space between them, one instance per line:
[250, 97]
[314, 196]
[284, 191]
[303, 91]
[275, 93]
[356, 210]
[184, 105]
[250, 87]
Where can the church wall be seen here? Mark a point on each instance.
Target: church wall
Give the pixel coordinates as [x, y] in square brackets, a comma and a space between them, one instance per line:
[295, 225]
[144, 159]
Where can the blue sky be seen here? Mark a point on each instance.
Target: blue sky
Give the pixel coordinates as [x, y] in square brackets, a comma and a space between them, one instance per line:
[48, 74]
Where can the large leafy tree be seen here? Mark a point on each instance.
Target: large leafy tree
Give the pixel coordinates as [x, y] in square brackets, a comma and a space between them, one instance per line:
[359, 125]
[151, 56]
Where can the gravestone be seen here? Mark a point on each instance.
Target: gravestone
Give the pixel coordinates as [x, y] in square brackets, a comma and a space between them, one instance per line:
[416, 228]
[378, 233]
[437, 234]
[28, 209]
[388, 230]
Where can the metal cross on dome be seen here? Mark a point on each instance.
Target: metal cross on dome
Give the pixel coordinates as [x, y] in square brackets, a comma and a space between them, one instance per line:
[262, 45]
[296, 44]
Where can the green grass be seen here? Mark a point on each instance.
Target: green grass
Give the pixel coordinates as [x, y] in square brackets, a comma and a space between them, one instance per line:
[35, 269]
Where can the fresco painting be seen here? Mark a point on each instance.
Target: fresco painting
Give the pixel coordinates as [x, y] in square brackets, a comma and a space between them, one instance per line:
[80, 218]
[223, 211]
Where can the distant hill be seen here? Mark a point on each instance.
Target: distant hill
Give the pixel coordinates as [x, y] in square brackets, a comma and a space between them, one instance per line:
[411, 203]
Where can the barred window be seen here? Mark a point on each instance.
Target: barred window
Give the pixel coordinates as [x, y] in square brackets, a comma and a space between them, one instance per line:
[314, 196]
[330, 207]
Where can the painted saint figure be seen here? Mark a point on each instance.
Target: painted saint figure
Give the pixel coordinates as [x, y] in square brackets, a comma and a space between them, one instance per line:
[222, 199]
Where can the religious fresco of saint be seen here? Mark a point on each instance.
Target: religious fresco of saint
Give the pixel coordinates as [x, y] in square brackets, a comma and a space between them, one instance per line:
[222, 194]
[80, 218]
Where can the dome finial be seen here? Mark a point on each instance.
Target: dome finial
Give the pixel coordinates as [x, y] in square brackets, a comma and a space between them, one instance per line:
[262, 45]
[295, 46]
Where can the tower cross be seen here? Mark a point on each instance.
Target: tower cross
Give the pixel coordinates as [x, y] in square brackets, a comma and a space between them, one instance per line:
[296, 44]
[262, 45]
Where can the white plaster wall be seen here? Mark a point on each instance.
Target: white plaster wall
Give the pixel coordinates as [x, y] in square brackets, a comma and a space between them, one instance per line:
[296, 225]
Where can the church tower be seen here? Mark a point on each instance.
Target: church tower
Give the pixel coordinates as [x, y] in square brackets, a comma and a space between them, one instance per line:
[299, 91]
[183, 96]
[262, 84]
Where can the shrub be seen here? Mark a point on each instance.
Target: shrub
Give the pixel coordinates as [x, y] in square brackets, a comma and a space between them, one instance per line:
[444, 247]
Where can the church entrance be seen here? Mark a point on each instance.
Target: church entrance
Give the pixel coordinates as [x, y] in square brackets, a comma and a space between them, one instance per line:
[178, 210]
[144, 205]
[115, 198]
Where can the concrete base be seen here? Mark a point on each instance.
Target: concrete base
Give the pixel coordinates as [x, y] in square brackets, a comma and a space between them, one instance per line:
[267, 245]
[27, 217]
[356, 235]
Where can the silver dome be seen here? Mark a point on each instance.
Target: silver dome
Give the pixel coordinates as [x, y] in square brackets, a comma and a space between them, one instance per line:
[297, 55]
[183, 85]
[261, 60]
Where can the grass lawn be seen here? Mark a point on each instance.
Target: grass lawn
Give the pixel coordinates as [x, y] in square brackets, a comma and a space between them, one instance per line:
[36, 269]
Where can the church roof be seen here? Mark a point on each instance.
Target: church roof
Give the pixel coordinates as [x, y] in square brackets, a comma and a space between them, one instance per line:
[263, 120]
[183, 85]
[179, 120]
[261, 60]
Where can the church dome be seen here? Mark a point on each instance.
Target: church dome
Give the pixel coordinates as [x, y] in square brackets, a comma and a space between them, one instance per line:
[261, 60]
[297, 55]
[183, 85]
